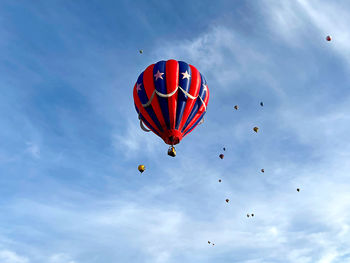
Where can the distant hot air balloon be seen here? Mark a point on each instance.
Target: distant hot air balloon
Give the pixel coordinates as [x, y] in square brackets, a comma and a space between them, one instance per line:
[141, 168]
[171, 98]
[219, 180]
[262, 170]
[252, 214]
[141, 51]
[328, 38]
[227, 200]
[261, 104]
[255, 129]
[236, 107]
[298, 189]
[247, 215]
[221, 156]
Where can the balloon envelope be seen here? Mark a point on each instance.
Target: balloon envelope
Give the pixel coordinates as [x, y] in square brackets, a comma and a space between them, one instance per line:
[141, 168]
[171, 98]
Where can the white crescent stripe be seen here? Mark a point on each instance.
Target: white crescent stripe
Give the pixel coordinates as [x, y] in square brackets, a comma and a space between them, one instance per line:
[143, 126]
[171, 94]
[150, 100]
[166, 95]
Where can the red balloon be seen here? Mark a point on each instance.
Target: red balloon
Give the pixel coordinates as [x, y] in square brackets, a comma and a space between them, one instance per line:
[328, 38]
[171, 98]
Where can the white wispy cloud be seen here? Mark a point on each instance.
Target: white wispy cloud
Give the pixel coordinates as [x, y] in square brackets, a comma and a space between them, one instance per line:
[220, 54]
[134, 140]
[33, 149]
[331, 18]
[60, 258]
[301, 23]
[8, 256]
[285, 222]
[287, 21]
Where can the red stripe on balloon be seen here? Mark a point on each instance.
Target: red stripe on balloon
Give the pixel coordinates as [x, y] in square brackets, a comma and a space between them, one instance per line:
[172, 82]
[194, 91]
[199, 113]
[148, 83]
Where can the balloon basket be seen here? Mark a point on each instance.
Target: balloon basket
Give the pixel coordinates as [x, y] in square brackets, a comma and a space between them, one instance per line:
[172, 151]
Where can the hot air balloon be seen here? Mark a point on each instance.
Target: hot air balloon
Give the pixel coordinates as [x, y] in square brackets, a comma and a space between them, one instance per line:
[262, 104]
[141, 168]
[141, 51]
[236, 107]
[221, 156]
[227, 200]
[247, 215]
[255, 129]
[171, 98]
[262, 170]
[219, 180]
[328, 38]
[298, 189]
[252, 214]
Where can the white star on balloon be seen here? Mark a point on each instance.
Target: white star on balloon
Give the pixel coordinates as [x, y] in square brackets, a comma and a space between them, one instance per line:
[138, 87]
[158, 75]
[186, 75]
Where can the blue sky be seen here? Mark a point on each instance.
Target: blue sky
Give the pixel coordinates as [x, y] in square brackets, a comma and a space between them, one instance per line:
[70, 142]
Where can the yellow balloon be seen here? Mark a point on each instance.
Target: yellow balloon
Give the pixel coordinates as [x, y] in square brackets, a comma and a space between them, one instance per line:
[141, 168]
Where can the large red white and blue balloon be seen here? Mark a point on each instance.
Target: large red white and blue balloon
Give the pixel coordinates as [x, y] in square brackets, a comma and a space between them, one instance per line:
[171, 98]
